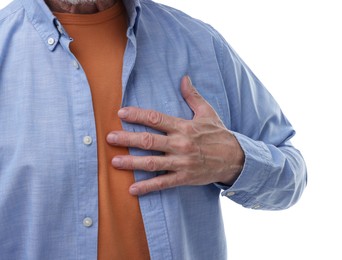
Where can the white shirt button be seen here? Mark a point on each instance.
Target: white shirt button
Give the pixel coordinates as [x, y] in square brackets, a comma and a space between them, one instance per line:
[257, 206]
[76, 65]
[87, 140]
[87, 222]
[231, 193]
[51, 41]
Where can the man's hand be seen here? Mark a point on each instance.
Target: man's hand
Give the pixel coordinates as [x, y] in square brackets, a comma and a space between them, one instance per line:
[196, 152]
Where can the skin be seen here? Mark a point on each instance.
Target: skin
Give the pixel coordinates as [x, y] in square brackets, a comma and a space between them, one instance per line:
[196, 152]
[82, 7]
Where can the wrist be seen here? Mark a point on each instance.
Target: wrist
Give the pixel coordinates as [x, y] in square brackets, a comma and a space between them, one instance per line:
[236, 167]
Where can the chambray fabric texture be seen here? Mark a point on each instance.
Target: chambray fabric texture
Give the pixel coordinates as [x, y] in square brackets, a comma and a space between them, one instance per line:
[48, 169]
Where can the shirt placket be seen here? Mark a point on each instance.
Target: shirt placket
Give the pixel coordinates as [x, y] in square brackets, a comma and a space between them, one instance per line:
[87, 175]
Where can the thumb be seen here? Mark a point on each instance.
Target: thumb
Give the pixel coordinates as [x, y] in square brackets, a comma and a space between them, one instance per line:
[196, 102]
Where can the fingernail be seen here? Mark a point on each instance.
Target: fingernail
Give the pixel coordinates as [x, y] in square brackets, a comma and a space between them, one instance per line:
[133, 191]
[117, 162]
[112, 138]
[123, 113]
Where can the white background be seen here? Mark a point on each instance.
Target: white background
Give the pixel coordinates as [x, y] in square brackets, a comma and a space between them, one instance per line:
[294, 47]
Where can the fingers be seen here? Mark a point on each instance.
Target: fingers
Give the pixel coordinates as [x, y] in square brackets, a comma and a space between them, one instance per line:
[145, 163]
[145, 141]
[151, 164]
[151, 118]
[170, 144]
[183, 157]
[197, 103]
[160, 182]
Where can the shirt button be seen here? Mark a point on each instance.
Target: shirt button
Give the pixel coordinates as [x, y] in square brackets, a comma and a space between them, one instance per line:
[257, 206]
[51, 41]
[76, 65]
[231, 193]
[87, 140]
[87, 222]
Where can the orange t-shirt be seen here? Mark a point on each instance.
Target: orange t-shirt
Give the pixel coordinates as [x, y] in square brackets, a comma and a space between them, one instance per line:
[99, 44]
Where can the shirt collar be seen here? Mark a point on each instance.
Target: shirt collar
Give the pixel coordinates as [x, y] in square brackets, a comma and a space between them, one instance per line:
[46, 23]
[133, 8]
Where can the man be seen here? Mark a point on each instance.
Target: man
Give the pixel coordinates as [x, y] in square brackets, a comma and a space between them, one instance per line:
[108, 150]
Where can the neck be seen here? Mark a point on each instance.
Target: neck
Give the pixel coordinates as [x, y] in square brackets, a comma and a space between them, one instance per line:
[80, 6]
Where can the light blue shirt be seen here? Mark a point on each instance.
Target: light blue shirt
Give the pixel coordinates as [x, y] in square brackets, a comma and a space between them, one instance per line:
[48, 151]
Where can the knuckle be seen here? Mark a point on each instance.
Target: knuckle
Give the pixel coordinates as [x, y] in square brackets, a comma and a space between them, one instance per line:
[123, 139]
[134, 115]
[189, 163]
[128, 163]
[187, 147]
[146, 188]
[126, 140]
[186, 127]
[151, 164]
[154, 118]
[147, 141]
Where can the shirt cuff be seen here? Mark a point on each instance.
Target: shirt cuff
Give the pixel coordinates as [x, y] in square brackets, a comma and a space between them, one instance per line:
[255, 172]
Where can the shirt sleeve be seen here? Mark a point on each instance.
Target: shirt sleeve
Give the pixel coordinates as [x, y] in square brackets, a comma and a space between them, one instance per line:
[274, 172]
